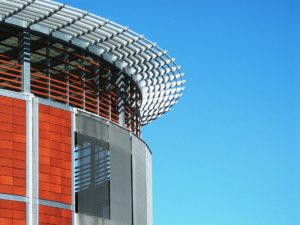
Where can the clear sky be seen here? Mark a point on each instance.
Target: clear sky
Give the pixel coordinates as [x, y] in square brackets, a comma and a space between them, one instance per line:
[229, 151]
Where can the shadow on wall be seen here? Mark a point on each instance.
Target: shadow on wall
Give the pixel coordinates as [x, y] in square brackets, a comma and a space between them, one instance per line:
[92, 177]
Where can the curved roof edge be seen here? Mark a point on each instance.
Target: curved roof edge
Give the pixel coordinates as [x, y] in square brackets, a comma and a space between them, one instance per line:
[155, 72]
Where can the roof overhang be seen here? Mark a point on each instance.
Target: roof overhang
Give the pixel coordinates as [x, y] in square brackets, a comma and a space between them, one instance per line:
[155, 72]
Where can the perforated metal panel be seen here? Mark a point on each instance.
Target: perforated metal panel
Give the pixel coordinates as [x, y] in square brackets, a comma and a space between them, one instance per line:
[114, 175]
[120, 190]
[139, 181]
[149, 185]
[93, 171]
[92, 126]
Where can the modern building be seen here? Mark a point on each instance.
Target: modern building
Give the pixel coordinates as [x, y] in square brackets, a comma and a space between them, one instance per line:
[75, 90]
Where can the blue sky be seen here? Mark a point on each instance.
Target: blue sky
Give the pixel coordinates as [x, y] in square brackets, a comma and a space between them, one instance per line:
[229, 152]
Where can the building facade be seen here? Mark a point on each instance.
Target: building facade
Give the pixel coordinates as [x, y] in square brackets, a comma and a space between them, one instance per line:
[75, 90]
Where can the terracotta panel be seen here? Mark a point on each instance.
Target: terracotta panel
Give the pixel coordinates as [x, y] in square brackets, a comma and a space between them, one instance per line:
[66, 140]
[4, 135]
[19, 173]
[66, 115]
[20, 215]
[43, 134]
[66, 165]
[45, 152]
[44, 168]
[6, 180]
[20, 164]
[5, 221]
[44, 186]
[6, 162]
[19, 138]
[19, 146]
[55, 128]
[55, 111]
[44, 109]
[44, 219]
[6, 204]
[6, 144]
[12, 212]
[66, 147]
[43, 117]
[44, 125]
[55, 188]
[12, 146]
[6, 189]
[6, 126]
[19, 129]
[67, 182]
[19, 190]
[6, 118]
[18, 112]
[65, 123]
[55, 179]
[66, 214]
[7, 109]
[18, 205]
[56, 171]
[5, 213]
[55, 145]
[19, 120]
[55, 220]
[57, 197]
[50, 215]
[54, 156]
[44, 177]
[65, 190]
[66, 156]
[20, 156]
[66, 198]
[19, 222]
[18, 182]
[65, 131]
[54, 120]
[19, 103]
[8, 171]
[44, 143]
[45, 194]
[6, 101]
[56, 137]
[65, 173]
[8, 154]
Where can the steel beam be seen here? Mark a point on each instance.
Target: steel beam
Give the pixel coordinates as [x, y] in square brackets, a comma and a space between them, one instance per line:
[25, 60]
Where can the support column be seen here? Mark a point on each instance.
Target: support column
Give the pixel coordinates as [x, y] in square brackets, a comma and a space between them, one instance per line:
[73, 146]
[82, 75]
[48, 64]
[97, 82]
[35, 161]
[29, 161]
[122, 98]
[67, 69]
[25, 60]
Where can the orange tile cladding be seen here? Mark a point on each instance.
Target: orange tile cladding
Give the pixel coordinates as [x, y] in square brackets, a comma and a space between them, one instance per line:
[12, 147]
[54, 157]
[12, 213]
[50, 215]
